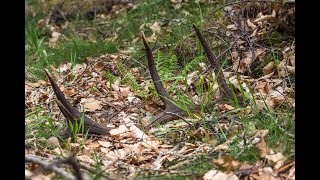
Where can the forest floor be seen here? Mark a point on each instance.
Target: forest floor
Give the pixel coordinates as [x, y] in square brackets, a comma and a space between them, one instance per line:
[95, 52]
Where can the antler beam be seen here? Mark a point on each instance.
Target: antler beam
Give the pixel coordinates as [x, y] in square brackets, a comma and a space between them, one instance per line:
[174, 110]
[72, 114]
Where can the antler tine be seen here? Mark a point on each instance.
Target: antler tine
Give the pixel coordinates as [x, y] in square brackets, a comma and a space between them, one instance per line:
[58, 92]
[214, 65]
[162, 117]
[72, 113]
[164, 96]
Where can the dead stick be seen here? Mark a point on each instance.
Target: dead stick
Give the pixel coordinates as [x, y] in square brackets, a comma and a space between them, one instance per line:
[48, 166]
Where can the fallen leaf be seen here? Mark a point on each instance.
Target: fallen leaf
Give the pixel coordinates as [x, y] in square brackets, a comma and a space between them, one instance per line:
[155, 27]
[105, 144]
[276, 159]
[149, 141]
[262, 148]
[226, 162]
[118, 132]
[265, 17]
[267, 69]
[218, 175]
[54, 141]
[86, 159]
[191, 77]
[125, 91]
[152, 38]
[232, 27]
[90, 104]
[251, 25]
[36, 84]
[69, 91]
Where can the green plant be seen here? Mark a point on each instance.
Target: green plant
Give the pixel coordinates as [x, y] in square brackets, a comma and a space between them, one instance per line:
[39, 127]
[110, 78]
[77, 128]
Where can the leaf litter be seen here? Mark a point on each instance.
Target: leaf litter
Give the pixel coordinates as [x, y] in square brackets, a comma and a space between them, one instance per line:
[130, 147]
[133, 150]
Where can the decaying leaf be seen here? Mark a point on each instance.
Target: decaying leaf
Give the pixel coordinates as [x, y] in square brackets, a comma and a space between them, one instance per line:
[226, 162]
[90, 104]
[276, 159]
[120, 131]
[262, 147]
[232, 27]
[251, 25]
[265, 17]
[54, 141]
[105, 144]
[268, 68]
[218, 175]
[86, 159]
[155, 27]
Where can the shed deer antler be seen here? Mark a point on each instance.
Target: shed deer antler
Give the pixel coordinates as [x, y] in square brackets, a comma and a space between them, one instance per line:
[225, 90]
[171, 111]
[177, 112]
[72, 114]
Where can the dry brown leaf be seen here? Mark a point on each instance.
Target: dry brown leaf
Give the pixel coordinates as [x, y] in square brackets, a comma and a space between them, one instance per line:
[267, 69]
[54, 141]
[119, 132]
[69, 91]
[155, 27]
[228, 107]
[232, 27]
[58, 151]
[276, 159]
[86, 159]
[90, 105]
[226, 145]
[218, 175]
[226, 162]
[245, 166]
[265, 17]
[260, 105]
[224, 107]
[91, 144]
[64, 68]
[36, 84]
[266, 76]
[152, 38]
[149, 141]
[115, 57]
[125, 91]
[247, 60]
[261, 87]
[216, 85]
[292, 173]
[251, 25]
[191, 77]
[292, 60]
[105, 144]
[262, 148]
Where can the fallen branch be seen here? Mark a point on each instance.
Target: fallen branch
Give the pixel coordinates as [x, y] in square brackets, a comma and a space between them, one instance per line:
[48, 166]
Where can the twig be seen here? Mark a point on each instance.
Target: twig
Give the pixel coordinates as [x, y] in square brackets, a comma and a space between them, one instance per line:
[48, 166]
